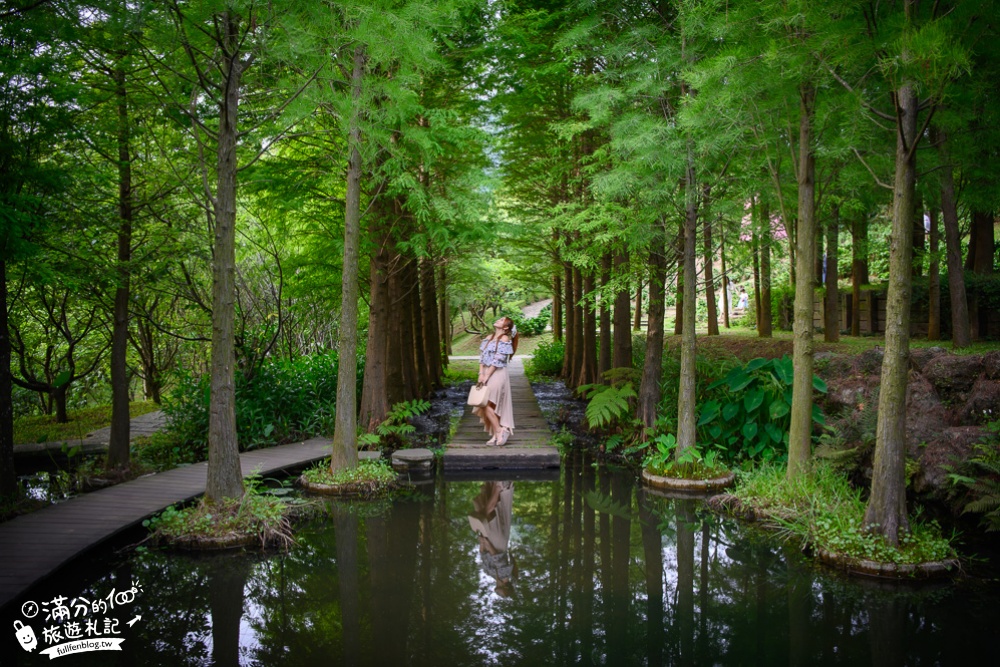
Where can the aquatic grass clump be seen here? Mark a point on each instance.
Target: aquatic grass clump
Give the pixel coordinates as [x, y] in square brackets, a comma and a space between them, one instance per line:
[824, 511]
[257, 517]
[370, 479]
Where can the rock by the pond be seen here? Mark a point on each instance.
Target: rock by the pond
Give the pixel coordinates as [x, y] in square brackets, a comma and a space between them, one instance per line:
[413, 460]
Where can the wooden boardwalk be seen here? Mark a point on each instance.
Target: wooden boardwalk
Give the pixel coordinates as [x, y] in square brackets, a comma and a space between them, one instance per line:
[527, 449]
[34, 545]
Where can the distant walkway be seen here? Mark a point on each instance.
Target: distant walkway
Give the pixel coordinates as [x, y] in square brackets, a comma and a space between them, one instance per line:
[533, 309]
[527, 449]
[34, 545]
[143, 425]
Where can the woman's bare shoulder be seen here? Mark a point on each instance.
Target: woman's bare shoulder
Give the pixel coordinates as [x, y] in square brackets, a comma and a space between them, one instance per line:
[505, 338]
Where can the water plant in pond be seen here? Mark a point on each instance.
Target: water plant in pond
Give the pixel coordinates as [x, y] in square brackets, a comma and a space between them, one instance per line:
[693, 463]
[369, 479]
[823, 510]
[262, 515]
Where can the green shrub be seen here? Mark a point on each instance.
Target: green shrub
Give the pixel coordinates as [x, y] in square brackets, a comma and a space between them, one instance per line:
[533, 326]
[547, 359]
[284, 400]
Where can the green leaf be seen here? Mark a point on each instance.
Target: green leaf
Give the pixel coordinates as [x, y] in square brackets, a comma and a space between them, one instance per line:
[750, 430]
[774, 432]
[709, 411]
[757, 363]
[738, 379]
[730, 410]
[784, 369]
[817, 416]
[62, 379]
[753, 400]
[778, 409]
[818, 384]
[715, 431]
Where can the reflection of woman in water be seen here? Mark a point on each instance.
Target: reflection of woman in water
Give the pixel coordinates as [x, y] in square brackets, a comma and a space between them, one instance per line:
[490, 519]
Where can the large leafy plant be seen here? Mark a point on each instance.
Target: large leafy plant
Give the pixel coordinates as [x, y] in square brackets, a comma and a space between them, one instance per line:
[749, 413]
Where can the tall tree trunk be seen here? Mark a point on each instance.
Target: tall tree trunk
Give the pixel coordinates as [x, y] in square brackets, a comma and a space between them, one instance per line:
[578, 327]
[726, 306]
[588, 373]
[982, 243]
[755, 268]
[8, 476]
[800, 432]
[960, 334]
[432, 338]
[345, 433]
[831, 310]
[118, 439]
[818, 257]
[679, 298]
[557, 316]
[934, 279]
[224, 477]
[764, 321]
[713, 313]
[686, 422]
[637, 315]
[622, 354]
[859, 277]
[918, 237]
[652, 368]
[886, 511]
[397, 376]
[568, 301]
[604, 363]
[374, 392]
[420, 364]
[444, 313]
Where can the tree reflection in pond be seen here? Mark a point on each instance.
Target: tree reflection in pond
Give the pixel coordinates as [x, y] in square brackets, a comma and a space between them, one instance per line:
[607, 573]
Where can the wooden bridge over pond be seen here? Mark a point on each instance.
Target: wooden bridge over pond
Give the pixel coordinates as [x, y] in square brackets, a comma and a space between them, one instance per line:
[529, 446]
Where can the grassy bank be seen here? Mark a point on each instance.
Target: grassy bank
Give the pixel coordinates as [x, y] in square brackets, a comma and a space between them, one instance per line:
[81, 422]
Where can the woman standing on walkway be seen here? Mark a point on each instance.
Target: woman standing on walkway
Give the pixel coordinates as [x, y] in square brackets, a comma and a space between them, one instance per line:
[494, 354]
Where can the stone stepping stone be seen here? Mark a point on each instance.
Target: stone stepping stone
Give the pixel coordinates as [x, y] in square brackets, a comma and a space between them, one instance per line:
[413, 460]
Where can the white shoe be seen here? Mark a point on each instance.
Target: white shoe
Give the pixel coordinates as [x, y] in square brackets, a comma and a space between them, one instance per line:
[492, 441]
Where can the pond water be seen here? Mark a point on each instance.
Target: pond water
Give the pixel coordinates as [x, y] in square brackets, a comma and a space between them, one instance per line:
[582, 569]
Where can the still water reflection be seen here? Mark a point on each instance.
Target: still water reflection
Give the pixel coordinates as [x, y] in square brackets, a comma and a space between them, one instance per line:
[587, 569]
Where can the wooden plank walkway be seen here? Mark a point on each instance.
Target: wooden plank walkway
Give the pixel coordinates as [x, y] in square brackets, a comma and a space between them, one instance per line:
[34, 545]
[527, 449]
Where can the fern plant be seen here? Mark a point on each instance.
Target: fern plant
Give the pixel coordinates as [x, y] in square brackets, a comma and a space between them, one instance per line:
[393, 432]
[608, 406]
[985, 489]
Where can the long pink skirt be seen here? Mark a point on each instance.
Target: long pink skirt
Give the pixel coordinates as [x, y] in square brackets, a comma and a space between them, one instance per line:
[499, 388]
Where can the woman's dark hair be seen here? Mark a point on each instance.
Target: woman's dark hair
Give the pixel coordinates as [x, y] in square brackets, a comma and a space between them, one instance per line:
[508, 325]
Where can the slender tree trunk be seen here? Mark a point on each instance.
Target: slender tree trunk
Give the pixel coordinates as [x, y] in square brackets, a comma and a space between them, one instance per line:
[918, 238]
[589, 369]
[118, 439]
[652, 369]
[800, 432]
[679, 298]
[8, 476]
[578, 327]
[858, 252]
[725, 282]
[982, 243]
[444, 314]
[604, 363]
[934, 279]
[755, 267]
[374, 394]
[886, 511]
[637, 316]
[818, 257]
[960, 334]
[59, 395]
[345, 433]
[713, 312]
[557, 305]
[831, 310]
[686, 422]
[397, 376]
[622, 354]
[420, 363]
[569, 300]
[764, 321]
[432, 338]
[225, 478]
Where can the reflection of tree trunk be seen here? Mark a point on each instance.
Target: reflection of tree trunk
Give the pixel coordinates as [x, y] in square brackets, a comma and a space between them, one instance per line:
[587, 569]
[621, 493]
[685, 580]
[799, 589]
[887, 632]
[622, 355]
[653, 560]
[226, 581]
[604, 363]
[392, 553]
[348, 577]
